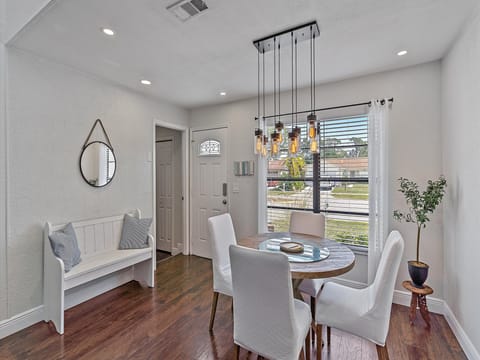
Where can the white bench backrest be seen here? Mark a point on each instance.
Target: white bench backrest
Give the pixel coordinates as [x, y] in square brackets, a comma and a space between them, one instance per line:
[97, 235]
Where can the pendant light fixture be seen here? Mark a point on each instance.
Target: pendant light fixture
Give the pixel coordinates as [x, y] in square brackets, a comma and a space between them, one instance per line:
[312, 117]
[274, 142]
[292, 146]
[258, 131]
[296, 130]
[275, 136]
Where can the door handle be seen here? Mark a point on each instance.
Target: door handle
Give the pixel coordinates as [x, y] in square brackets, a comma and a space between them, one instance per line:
[224, 202]
[224, 189]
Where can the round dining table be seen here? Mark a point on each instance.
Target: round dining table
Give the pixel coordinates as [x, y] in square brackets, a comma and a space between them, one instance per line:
[339, 261]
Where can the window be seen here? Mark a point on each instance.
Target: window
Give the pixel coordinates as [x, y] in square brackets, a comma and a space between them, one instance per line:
[110, 164]
[340, 171]
[209, 147]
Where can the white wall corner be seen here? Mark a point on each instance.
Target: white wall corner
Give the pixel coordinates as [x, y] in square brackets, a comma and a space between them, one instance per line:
[21, 321]
[470, 351]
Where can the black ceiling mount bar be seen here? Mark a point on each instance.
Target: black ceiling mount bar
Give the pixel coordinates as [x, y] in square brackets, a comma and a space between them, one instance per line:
[300, 33]
[327, 108]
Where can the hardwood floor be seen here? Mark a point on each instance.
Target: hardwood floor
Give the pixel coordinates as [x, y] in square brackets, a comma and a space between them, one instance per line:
[162, 255]
[171, 322]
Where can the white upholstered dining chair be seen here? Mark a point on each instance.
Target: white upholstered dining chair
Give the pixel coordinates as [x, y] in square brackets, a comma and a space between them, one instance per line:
[267, 319]
[363, 312]
[222, 235]
[309, 223]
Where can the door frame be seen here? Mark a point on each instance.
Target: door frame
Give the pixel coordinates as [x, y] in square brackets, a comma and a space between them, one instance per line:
[227, 159]
[165, 139]
[185, 179]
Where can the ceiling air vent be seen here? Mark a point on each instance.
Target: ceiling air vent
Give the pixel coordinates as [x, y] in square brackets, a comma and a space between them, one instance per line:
[186, 9]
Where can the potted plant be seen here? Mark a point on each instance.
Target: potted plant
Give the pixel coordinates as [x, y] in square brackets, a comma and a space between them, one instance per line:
[421, 205]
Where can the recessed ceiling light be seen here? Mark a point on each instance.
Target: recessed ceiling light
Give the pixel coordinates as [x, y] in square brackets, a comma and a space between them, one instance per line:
[403, 52]
[223, 93]
[146, 82]
[108, 31]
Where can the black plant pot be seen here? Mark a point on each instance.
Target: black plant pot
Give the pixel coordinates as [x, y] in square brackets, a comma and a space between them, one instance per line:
[418, 273]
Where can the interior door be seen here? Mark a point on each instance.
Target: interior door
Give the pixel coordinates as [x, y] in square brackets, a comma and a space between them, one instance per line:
[164, 194]
[208, 183]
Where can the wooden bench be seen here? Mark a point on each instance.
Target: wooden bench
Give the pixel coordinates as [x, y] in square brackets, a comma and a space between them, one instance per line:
[103, 266]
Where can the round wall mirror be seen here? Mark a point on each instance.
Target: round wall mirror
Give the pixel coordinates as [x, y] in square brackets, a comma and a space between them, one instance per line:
[97, 164]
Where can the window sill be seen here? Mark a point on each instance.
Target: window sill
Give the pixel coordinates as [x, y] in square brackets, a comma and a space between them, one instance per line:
[359, 250]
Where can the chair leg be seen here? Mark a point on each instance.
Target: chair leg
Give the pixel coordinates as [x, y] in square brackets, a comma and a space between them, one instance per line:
[319, 341]
[329, 333]
[312, 308]
[237, 351]
[307, 345]
[214, 309]
[382, 352]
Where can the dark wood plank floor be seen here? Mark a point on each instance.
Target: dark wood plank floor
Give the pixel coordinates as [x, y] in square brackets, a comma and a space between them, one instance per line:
[171, 322]
[162, 255]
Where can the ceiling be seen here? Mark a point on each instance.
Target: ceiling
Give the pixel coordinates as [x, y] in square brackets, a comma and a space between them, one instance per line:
[190, 62]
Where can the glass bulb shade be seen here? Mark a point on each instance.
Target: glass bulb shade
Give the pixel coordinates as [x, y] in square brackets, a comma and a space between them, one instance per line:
[275, 148]
[280, 137]
[292, 146]
[292, 142]
[297, 143]
[264, 151]
[312, 129]
[314, 145]
[258, 144]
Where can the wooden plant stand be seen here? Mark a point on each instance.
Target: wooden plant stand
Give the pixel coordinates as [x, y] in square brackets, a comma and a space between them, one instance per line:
[419, 298]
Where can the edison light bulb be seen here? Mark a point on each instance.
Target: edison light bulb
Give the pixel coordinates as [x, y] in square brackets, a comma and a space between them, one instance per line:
[312, 131]
[258, 145]
[314, 145]
[274, 148]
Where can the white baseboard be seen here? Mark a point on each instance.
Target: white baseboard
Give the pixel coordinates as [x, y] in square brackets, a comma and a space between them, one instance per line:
[435, 305]
[21, 321]
[468, 348]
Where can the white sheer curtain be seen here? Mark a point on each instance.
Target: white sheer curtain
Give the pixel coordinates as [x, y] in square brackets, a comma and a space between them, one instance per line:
[378, 183]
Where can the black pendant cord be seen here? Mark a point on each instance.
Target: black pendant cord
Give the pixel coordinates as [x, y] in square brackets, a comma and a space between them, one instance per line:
[366, 103]
[314, 74]
[263, 84]
[258, 89]
[311, 68]
[279, 95]
[274, 83]
[292, 78]
[296, 84]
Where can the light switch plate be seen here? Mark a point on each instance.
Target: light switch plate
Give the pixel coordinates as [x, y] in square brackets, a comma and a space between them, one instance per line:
[235, 188]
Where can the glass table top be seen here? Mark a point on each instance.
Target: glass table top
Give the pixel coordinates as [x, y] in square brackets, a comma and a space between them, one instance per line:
[311, 251]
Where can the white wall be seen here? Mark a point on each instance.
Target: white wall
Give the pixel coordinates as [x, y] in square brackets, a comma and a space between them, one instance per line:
[461, 153]
[50, 111]
[162, 133]
[414, 149]
[20, 12]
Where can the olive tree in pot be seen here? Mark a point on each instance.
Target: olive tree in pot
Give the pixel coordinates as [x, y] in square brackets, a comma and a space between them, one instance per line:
[421, 204]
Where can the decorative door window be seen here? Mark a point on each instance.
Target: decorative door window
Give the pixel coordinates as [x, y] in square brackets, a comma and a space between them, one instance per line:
[209, 147]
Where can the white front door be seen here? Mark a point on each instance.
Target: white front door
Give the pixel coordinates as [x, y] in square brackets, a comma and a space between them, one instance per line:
[208, 183]
[164, 194]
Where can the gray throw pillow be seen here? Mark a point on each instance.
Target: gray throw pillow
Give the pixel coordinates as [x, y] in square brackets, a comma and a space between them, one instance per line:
[65, 246]
[134, 233]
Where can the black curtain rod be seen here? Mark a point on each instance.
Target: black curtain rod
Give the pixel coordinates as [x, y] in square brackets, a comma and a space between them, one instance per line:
[369, 103]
